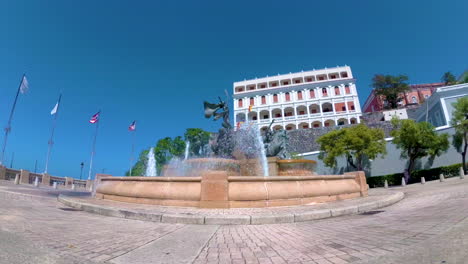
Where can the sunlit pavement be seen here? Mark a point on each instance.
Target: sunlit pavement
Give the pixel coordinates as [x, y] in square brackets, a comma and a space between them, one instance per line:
[429, 226]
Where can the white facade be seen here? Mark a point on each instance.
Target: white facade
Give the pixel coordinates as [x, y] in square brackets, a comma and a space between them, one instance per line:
[317, 98]
[400, 113]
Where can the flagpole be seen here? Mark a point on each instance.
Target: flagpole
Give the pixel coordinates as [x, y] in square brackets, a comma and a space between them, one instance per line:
[93, 148]
[133, 150]
[8, 128]
[51, 140]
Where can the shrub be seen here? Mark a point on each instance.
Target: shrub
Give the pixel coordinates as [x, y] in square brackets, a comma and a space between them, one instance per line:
[429, 174]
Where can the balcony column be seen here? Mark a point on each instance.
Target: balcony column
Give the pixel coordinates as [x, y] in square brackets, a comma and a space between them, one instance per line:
[333, 107]
[320, 108]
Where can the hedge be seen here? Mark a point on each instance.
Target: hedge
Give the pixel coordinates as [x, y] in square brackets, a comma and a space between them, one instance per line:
[430, 174]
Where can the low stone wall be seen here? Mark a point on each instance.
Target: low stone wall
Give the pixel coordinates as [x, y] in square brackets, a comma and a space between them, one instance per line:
[44, 179]
[215, 189]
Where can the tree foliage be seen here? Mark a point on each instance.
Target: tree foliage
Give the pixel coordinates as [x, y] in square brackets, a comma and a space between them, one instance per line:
[448, 78]
[198, 139]
[417, 140]
[460, 123]
[169, 148]
[354, 143]
[390, 87]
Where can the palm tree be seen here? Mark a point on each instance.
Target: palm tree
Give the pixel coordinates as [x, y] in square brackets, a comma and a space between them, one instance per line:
[448, 78]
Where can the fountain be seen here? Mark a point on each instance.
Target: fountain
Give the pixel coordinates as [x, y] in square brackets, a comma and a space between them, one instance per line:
[187, 148]
[243, 169]
[151, 165]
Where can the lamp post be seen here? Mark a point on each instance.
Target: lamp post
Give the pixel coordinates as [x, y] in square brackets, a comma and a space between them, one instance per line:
[81, 172]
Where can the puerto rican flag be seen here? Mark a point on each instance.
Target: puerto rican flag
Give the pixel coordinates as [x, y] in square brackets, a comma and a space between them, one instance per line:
[132, 126]
[95, 118]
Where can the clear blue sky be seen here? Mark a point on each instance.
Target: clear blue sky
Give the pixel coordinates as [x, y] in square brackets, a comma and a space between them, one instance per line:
[157, 61]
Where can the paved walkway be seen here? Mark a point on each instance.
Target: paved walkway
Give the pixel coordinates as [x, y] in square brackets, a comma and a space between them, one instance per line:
[428, 226]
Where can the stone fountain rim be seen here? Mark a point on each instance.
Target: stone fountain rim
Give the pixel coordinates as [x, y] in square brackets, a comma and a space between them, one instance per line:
[231, 178]
[294, 161]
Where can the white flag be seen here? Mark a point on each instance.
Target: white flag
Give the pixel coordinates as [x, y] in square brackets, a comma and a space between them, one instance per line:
[24, 87]
[54, 111]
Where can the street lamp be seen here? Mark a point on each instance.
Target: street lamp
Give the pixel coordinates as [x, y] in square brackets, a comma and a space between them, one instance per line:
[81, 172]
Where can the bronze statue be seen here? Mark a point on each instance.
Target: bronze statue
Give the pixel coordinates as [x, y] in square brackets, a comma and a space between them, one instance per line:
[224, 142]
[275, 143]
[212, 110]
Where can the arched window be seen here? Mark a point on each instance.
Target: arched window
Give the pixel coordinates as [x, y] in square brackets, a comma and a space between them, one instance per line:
[239, 103]
[337, 90]
[275, 98]
[312, 94]
[288, 97]
[324, 91]
[347, 90]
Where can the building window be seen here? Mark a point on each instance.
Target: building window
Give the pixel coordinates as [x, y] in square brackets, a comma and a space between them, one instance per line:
[352, 107]
[316, 125]
[344, 75]
[262, 86]
[301, 112]
[278, 115]
[324, 92]
[341, 122]
[274, 84]
[263, 99]
[275, 98]
[327, 124]
[309, 79]
[299, 95]
[288, 97]
[297, 81]
[254, 118]
[252, 101]
[347, 90]
[337, 90]
[285, 83]
[413, 99]
[353, 121]
[305, 126]
[312, 94]
[239, 103]
[343, 108]
[265, 117]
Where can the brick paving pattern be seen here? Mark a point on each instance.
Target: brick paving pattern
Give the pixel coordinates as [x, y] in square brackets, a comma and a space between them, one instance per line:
[427, 211]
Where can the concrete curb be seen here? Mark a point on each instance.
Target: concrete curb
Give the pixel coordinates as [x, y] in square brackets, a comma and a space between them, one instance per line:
[255, 219]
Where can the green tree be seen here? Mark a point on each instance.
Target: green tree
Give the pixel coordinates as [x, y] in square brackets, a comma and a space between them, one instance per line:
[354, 143]
[390, 87]
[460, 123]
[140, 166]
[198, 138]
[448, 78]
[166, 149]
[417, 140]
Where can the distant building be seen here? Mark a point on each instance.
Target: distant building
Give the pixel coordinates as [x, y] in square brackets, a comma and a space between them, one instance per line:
[317, 98]
[438, 109]
[417, 95]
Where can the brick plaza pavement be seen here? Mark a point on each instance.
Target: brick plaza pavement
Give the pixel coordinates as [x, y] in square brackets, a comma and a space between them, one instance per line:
[428, 211]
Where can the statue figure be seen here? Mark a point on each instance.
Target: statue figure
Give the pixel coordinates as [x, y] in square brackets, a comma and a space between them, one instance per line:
[212, 110]
[224, 143]
[276, 143]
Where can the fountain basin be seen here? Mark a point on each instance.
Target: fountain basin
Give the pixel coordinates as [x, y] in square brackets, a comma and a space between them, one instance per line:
[215, 189]
[296, 167]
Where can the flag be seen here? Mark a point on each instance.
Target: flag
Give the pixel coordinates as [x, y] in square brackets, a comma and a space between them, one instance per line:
[250, 108]
[54, 110]
[24, 86]
[95, 118]
[132, 126]
[56, 107]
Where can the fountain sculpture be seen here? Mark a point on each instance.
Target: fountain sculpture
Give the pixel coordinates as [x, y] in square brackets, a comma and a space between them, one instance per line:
[240, 168]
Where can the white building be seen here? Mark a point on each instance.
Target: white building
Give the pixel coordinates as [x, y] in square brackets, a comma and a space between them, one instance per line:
[317, 98]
